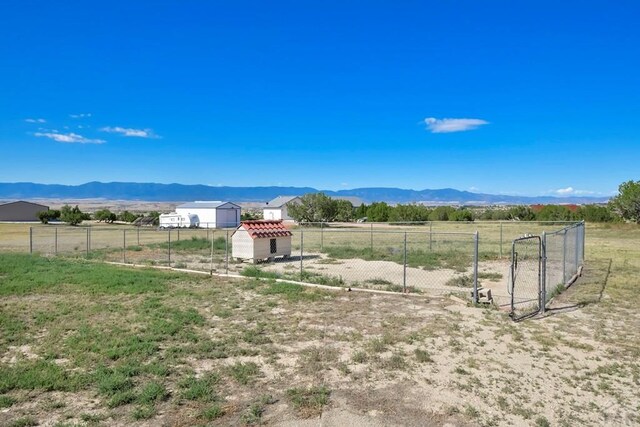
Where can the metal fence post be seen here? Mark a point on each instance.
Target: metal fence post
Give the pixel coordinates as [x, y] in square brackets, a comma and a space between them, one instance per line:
[543, 273]
[371, 238]
[500, 239]
[321, 236]
[211, 263]
[124, 246]
[226, 249]
[31, 240]
[564, 256]
[169, 247]
[404, 269]
[87, 243]
[301, 251]
[138, 232]
[576, 255]
[476, 238]
[430, 235]
[55, 243]
[584, 234]
[178, 234]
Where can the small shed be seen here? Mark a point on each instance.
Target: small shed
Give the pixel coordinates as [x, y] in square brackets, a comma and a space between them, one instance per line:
[212, 214]
[21, 211]
[278, 207]
[261, 240]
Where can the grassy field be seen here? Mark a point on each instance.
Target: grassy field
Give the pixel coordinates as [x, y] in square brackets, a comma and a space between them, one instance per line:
[83, 343]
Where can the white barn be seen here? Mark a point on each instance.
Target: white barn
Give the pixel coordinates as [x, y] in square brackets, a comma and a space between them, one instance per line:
[261, 240]
[276, 209]
[212, 214]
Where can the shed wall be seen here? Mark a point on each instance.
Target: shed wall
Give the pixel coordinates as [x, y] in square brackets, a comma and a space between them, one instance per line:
[241, 245]
[21, 211]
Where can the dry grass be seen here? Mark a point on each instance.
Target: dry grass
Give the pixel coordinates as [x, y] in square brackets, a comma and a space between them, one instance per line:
[197, 350]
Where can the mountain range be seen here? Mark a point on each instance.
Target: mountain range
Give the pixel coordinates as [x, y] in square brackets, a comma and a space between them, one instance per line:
[181, 192]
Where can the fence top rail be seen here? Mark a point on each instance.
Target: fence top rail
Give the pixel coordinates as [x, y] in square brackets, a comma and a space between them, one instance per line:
[379, 231]
[481, 221]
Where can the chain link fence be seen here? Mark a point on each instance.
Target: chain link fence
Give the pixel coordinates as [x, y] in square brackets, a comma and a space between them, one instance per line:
[543, 266]
[428, 257]
[412, 261]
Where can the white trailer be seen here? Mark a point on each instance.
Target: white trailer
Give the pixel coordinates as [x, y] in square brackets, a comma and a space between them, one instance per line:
[176, 220]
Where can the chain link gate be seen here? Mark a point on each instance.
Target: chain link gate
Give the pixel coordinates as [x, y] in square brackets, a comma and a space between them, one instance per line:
[526, 277]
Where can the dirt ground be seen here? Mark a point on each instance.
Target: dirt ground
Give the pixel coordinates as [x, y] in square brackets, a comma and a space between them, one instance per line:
[386, 359]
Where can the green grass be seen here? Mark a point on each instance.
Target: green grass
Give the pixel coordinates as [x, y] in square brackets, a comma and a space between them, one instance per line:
[40, 375]
[201, 389]
[244, 373]
[194, 244]
[213, 412]
[309, 401]
[25, 274]
[458, 260]
[463, 281]
[306, 276]
[6, 401]
[24, 422]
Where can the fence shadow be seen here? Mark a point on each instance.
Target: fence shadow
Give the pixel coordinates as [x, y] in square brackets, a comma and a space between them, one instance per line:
[594, 278]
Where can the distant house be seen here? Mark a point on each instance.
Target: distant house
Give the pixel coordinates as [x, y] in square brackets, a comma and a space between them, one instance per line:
[261, 240]
[211, 214]
[277, 209]
[21, 211]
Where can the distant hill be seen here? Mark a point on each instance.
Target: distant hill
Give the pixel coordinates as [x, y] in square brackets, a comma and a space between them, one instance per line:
[179, 192]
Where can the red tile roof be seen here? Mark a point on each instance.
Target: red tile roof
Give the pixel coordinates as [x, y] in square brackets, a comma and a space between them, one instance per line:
[261, 229]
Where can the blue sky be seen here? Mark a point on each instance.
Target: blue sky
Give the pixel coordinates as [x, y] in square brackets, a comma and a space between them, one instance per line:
[525, 98]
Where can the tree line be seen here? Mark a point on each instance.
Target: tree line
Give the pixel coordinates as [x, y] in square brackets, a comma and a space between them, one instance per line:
[74, 216]
[318, 207]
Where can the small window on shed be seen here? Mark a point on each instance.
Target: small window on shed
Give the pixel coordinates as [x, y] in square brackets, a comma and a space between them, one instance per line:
[274, 247]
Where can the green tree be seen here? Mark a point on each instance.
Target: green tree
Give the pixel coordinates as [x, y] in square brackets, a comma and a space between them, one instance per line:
[43, 216]
[72, 216]
[378, 212]
[343, 210]
[127, 216]
[409, 213]
[595, 213]
[461, 214]
[522, 213]
[555, 213]
[313, 207]
[441, 213]
[104, 215]
[627, 202]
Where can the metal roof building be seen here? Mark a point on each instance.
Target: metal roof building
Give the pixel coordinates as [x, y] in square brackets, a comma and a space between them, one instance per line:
[276, 209]
[212, 214]
[21, 211]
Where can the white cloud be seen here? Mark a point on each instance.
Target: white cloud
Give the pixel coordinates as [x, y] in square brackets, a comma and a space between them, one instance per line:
[139, 133]
[69, 138]
[452, 125]
[35, 120]
[80, 116]
[569, 191]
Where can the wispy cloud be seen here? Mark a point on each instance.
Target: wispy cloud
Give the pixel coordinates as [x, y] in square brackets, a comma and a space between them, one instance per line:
[139, 133]
[80, 116]
[35, 120]
[452, 125]
[570, 191]
[69, 138]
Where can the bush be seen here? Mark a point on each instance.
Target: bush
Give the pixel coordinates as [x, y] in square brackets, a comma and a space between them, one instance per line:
[72, 216]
